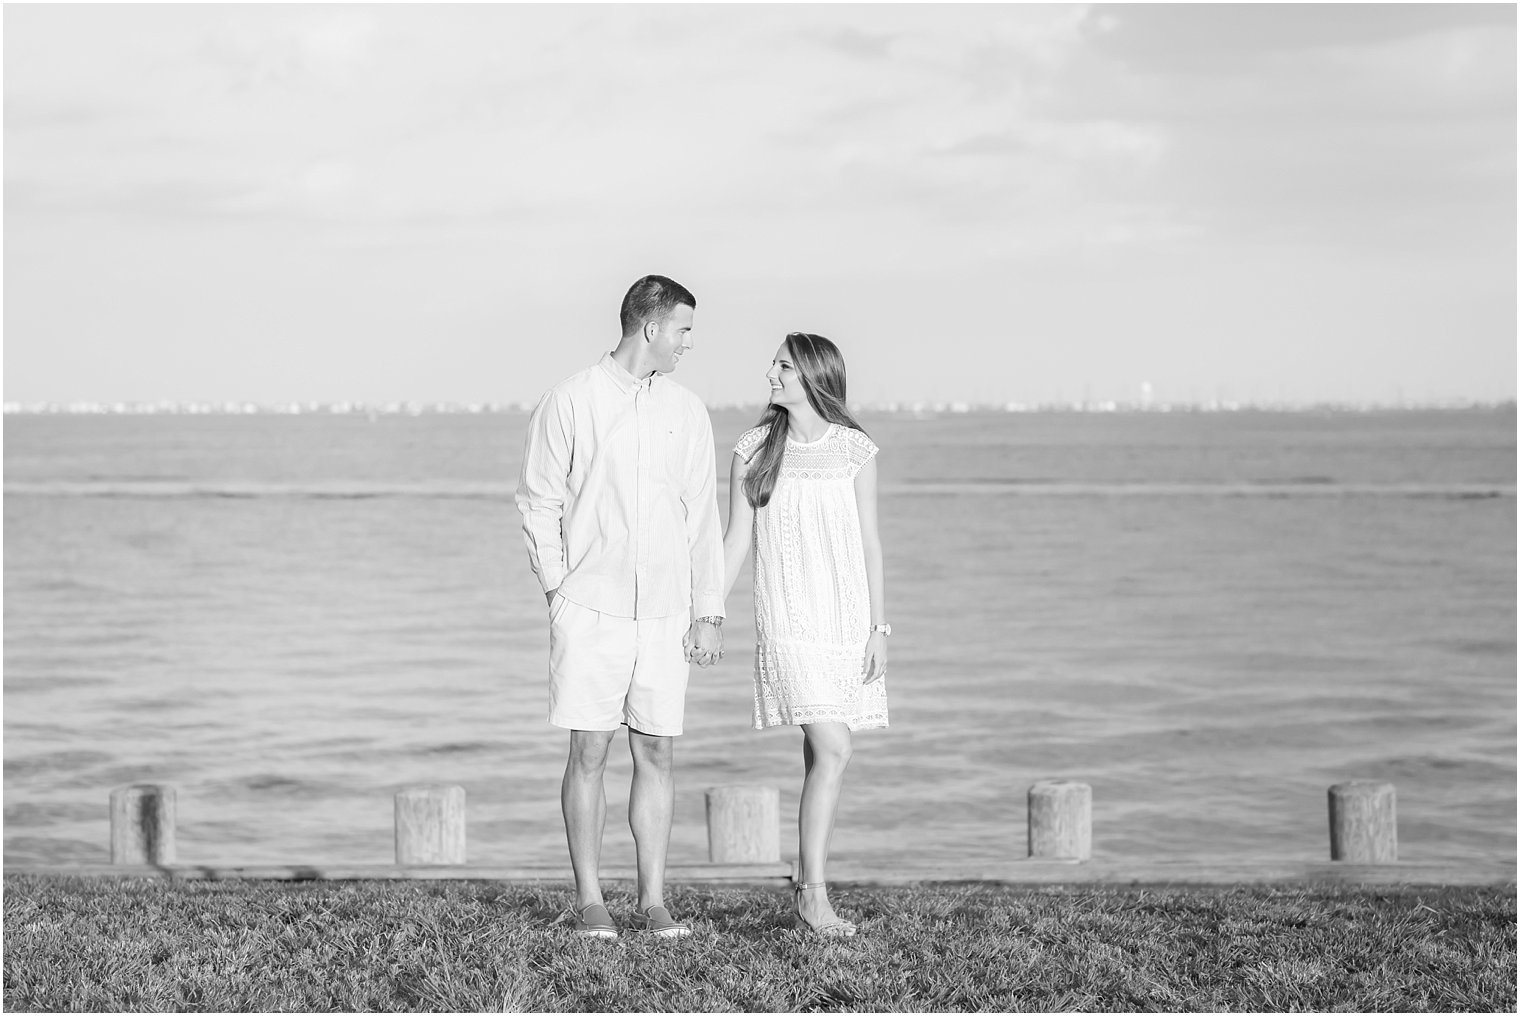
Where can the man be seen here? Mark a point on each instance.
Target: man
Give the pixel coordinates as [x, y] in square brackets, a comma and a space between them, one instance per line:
[620, 516]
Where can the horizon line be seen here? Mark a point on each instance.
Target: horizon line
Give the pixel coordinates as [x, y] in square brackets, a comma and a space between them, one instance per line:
[916, 407]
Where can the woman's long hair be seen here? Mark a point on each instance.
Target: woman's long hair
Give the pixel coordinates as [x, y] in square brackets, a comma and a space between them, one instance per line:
[820, 366]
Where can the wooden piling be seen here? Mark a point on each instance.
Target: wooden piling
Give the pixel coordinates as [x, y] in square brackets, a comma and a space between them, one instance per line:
[430, 825]
[1363, 823]
[743, 825]
[1060, 820]
[142, 824]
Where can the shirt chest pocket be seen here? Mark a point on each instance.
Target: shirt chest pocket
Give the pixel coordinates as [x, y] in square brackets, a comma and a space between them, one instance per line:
[675, 453]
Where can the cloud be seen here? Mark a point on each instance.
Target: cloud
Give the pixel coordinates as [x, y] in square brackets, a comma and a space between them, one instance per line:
[1347, 125]
[857, 43]
[1178, 38]
[475, 110]
[23, 115]
[315, 51]
[836, 147]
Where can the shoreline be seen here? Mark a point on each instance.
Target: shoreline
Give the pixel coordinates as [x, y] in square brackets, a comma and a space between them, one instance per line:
[1496, 872]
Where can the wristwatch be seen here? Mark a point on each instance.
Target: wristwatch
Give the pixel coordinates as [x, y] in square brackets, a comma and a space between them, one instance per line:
[885, 629]
[714, 620]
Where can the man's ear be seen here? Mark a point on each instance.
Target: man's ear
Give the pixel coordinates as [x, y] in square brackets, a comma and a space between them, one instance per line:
[651, 329]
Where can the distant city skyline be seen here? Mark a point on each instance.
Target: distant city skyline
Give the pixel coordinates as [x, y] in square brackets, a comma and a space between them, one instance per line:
[979, 203]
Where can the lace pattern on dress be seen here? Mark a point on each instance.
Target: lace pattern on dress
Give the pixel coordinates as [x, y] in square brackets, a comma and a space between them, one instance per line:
[816, 684]
[812, 604]
[750, 441]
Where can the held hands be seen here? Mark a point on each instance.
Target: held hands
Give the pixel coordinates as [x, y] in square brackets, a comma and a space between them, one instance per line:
[876, 658]
[703, 643]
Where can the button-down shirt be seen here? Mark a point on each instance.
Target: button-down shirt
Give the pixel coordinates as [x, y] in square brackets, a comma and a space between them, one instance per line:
[618, 495]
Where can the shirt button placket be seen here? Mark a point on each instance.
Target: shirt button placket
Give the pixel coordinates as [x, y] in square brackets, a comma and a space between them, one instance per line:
[641, 487]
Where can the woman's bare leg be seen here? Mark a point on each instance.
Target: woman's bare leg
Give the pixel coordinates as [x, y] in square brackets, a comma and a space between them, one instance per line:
[825, 755]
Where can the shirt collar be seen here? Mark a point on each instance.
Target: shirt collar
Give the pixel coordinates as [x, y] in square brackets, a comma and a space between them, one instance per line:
[624, 380]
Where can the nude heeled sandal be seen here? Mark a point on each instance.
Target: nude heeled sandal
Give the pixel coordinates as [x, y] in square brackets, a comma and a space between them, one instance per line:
[834, 929]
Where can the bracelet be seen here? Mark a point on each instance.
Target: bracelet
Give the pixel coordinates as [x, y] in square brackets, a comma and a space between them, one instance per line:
[714, 620]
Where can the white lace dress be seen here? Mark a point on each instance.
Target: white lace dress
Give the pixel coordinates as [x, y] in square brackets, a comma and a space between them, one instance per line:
[812, 605]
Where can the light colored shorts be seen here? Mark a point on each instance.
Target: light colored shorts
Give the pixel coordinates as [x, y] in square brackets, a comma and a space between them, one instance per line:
[605, 671]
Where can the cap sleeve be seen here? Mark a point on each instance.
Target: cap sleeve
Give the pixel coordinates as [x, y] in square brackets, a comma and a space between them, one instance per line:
[749, 442]
[859, 448]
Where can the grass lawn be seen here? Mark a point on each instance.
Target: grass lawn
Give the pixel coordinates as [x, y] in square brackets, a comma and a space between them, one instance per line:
[147, 945]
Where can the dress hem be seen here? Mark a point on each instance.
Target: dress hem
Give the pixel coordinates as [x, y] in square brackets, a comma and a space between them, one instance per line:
[853, 726]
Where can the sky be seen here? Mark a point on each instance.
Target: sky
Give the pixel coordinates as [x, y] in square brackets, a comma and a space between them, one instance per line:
[990, 203]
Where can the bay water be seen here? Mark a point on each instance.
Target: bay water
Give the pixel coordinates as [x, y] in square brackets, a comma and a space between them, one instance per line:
[1209, 617]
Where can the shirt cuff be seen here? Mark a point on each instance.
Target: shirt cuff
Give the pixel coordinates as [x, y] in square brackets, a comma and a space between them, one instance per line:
[707, 606]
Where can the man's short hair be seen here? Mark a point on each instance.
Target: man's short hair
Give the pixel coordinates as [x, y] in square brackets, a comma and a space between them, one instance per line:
[652, 298]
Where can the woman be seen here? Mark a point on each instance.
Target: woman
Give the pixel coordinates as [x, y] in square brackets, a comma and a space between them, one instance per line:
[803, 490]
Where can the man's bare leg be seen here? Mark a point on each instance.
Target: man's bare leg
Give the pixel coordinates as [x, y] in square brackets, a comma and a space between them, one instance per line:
[583, 799]
[651, 803]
